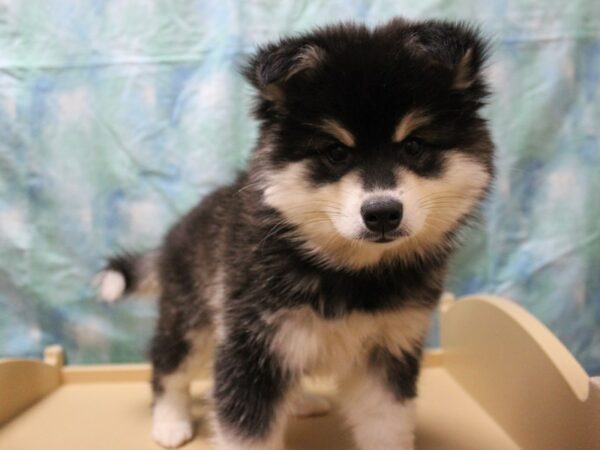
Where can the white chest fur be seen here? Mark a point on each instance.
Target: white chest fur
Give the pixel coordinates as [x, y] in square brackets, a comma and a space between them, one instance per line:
[308, 343]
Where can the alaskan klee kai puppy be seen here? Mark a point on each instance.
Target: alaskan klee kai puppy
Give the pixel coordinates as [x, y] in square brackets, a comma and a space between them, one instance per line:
[328, 254]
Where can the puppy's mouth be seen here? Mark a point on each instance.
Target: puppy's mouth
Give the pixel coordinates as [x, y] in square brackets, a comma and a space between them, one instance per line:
[384, 238]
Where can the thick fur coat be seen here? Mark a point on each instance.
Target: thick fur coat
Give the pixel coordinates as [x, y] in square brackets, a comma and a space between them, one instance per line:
[328, 254]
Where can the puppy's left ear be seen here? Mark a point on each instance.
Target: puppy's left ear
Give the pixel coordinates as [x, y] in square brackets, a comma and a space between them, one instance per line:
[459, 47]
[470, 55]
[276, 64]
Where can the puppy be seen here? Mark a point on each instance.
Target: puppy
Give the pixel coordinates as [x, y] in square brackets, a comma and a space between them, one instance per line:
[328, 254]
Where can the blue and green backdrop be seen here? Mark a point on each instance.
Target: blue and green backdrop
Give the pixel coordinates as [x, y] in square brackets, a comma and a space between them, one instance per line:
[116, 116]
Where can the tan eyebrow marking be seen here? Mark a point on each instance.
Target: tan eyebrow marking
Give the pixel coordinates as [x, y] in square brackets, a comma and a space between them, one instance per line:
[409, 123]
[335, 129]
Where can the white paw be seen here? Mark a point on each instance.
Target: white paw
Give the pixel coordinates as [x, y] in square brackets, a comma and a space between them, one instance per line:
[310, 405]
[110, 285]
[172, 434]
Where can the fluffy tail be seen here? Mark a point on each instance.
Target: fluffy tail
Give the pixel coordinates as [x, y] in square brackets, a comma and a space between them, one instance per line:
[128, 273]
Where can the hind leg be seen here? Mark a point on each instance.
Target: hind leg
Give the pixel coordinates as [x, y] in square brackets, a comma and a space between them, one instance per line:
[171, 420]
[175, 360]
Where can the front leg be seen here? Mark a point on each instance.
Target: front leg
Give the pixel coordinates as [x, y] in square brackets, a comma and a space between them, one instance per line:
[251, 394]
[379, 401]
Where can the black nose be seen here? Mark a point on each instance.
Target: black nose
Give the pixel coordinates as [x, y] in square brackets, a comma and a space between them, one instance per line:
[382, 215]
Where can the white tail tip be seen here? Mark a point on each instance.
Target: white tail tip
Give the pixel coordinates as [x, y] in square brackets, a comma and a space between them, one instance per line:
[110, 285]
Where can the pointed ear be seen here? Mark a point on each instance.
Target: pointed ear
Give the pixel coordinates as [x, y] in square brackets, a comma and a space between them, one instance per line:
[464, 73]
[274, 65]
[456, 46]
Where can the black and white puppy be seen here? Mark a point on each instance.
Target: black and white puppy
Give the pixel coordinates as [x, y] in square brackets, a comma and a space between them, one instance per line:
[328, 254]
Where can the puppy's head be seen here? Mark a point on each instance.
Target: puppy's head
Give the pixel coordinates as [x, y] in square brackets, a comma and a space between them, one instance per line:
[372, 145]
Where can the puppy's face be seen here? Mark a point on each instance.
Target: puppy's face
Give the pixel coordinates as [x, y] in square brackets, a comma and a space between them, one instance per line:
[373, 144]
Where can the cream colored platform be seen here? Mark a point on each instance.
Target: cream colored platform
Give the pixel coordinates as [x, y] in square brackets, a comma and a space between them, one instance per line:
[501, 381]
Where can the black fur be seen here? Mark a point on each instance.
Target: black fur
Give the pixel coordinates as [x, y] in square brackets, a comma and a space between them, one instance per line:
[400, 373]
[367, 80]
[250, 383]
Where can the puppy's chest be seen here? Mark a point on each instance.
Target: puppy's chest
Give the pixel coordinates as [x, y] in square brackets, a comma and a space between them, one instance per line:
[335, 294]
[306, 342]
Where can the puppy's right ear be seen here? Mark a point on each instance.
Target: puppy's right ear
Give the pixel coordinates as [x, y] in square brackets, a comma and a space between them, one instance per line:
[275, 64]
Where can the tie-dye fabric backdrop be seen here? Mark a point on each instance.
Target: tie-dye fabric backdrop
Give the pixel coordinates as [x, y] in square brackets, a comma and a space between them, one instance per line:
[116, 116]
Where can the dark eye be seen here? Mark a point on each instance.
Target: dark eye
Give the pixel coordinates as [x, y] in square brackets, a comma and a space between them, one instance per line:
[412, 147]
[337, 154]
